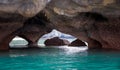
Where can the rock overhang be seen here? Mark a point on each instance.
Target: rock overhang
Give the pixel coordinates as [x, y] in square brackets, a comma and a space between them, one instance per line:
[26, 8]
[67, 9]
[71, 7]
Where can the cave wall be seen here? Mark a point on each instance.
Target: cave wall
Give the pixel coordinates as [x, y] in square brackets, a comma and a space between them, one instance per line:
[30, 29]
[71, 7]
[7, 27]
[94, 21]
[26, 8]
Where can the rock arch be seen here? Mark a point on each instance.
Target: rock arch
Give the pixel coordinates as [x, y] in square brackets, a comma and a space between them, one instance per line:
[7, 33]
[80, 18]
[34, 28]
[83, 26]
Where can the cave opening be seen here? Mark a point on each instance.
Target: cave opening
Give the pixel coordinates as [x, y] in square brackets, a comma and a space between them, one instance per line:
[57, 35]
[41, 21]
[57, 38]
[96, 16]
[44, 24]
[18, 42]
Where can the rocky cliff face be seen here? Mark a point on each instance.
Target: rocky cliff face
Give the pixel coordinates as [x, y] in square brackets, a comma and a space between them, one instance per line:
[72, 7]
[26, 8]
[13, 15]
[94, 21]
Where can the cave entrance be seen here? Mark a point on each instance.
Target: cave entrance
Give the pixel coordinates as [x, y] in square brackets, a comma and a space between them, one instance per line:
[18, 42]
[54, 34]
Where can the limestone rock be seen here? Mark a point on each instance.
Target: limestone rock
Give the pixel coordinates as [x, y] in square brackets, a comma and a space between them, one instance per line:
[13, 14]
[7, 31]
[71, 7]
[26, 8]
[34, 28]
[31, 29]
[92, 21]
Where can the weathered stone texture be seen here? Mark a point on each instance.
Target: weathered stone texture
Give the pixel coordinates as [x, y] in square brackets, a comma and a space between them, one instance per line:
[94, 21]
[26, 8]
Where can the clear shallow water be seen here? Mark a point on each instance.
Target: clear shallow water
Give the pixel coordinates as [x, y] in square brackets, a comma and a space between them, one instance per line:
[59, 59]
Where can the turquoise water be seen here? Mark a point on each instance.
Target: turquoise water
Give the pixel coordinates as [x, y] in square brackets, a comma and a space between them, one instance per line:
[59, 59]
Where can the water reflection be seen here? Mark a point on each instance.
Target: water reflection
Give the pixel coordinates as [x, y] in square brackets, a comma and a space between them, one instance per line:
[60, 50]
[72, 49]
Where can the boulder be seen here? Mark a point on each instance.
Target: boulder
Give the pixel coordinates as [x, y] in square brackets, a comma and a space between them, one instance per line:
[77, 42]
[56, 41]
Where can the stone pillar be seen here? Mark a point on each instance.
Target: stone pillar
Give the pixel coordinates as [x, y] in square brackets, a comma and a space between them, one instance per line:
[32, 38]
[4, 44]
[6, 30]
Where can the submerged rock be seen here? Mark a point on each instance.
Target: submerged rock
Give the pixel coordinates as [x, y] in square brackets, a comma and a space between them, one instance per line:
[56, 41]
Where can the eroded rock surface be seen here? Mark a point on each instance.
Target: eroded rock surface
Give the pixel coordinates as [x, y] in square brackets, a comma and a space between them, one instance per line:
[72, 7]
[7, 27]
[26, 8]
[13, 14]
[94, 21]
[34, 28]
